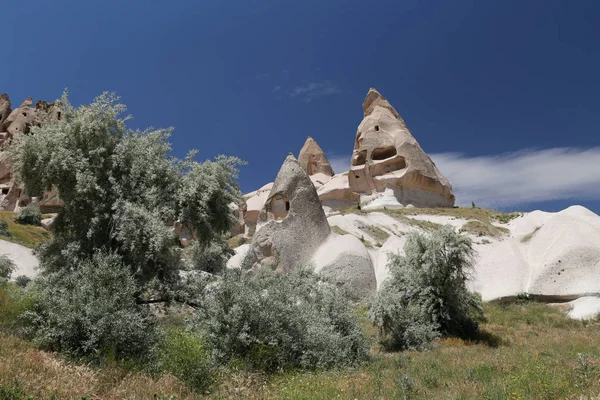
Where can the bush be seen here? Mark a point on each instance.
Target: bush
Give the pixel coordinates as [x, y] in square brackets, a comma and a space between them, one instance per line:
[14, 301]
[91, 312]
[4, 228]
[186, 356]
[29, 215]
[7, 267]
[426, 294]
[22, 280]
[275, 321]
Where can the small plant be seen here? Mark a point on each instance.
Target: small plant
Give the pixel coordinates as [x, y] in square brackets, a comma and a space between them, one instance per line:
[586, 369]
[7, 267]
[22, 280]
[4, 228]
[186, 356]
[29, 215]
[524, 297]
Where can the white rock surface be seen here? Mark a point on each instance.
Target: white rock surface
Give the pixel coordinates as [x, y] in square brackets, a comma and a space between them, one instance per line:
[345, 259]
[23, 258]
[240, 253]
[587, 307]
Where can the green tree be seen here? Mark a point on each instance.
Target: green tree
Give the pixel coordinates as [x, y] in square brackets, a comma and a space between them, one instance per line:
[122, 191]
[426, 294]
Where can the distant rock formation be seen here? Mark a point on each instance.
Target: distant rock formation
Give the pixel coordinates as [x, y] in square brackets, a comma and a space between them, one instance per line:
[12, 124]
[386, 155]
[313, 159]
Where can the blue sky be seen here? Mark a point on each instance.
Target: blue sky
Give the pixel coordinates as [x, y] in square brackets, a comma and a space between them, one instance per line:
[504, 95]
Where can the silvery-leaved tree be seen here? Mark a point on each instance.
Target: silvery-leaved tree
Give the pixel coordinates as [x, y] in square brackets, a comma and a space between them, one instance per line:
[122, 192]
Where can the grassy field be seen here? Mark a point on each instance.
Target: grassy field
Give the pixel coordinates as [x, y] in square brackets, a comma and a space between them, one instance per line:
[529, 351]
[26, 235]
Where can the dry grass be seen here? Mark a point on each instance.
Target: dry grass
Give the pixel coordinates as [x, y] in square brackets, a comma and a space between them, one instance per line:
[339, 230]
[527, 238]
[26, 235]
[377, 233]
[47, 376]
[237, 241]
[479, 228]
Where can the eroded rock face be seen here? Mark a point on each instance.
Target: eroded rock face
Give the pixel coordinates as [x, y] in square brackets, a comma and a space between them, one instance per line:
[313, 159]
[387, 155]
[12, 124]
[292, 224]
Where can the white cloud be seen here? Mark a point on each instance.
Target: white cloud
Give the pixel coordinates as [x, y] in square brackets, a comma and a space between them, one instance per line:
[313, 90]
[522, 177]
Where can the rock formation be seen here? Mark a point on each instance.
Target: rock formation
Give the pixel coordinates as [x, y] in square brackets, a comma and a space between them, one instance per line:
[313, 159]
[387, 155]
[292, 230]
[12, 124]
[292, 224]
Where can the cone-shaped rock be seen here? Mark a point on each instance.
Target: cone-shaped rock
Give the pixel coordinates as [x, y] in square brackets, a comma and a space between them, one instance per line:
[387, 155]
[313, 159]
[292, 224]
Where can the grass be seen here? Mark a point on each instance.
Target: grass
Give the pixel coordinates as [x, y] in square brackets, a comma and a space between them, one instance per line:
[479, 228]
[377, 233]
[237, 241]
[537, 353]
[339, 230]
[479, 214]
[26, 235]
[528, 350]
[527, 238]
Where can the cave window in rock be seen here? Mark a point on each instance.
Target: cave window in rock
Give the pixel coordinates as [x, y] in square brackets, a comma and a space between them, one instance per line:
[5, 191]
[383, 153]
[58, 115]
[377, 128]
[361, 158]
[279, 207]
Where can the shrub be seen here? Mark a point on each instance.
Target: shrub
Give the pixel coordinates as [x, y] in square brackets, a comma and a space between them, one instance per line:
[4, 228]
[275, 321]
[22, 280]
[29, 215]
[426, 294]
[91, 312]
[14, 301]
[7, 267]
[186, 356]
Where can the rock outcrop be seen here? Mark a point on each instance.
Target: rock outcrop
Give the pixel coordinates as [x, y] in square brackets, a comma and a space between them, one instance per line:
[386, 155]
[292, 224]
[313, 159]
[12, 124]
[292, 230]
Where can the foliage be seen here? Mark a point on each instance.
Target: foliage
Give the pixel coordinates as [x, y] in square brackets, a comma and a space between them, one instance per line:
[276, 321]
[4, 228]
[14, 301]
[479, 228]
[91, 312]
[121, 189]
[113, 247]
[29, 215]
[7, 267]
[186, 356]
[426, 294]
[22, 280]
